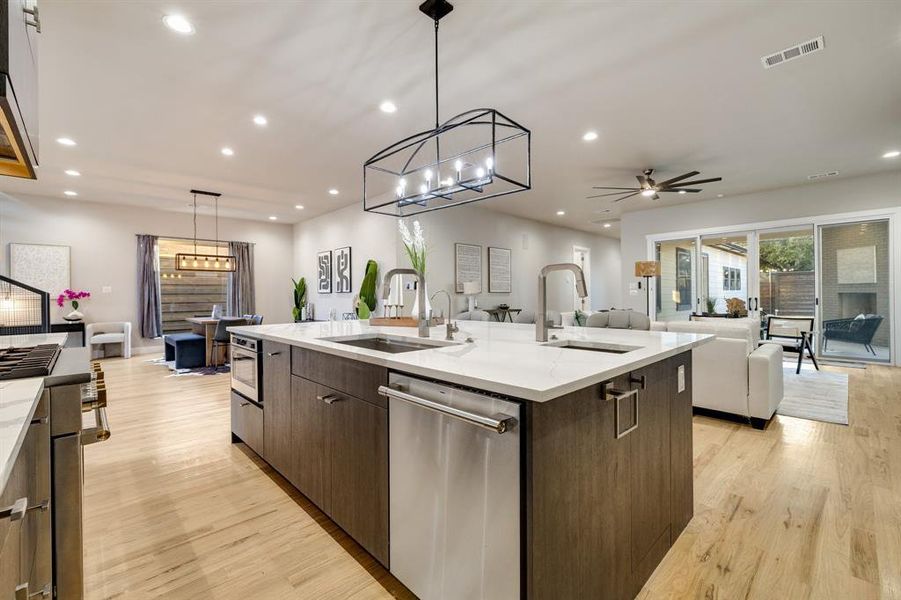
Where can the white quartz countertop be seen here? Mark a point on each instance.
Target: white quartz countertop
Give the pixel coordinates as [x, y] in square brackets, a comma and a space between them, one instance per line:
[18, 400]
[503, 358]
[32, 339]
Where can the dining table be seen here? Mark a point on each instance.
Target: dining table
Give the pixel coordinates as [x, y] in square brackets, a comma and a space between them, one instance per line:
[206, 326]
[503, 313]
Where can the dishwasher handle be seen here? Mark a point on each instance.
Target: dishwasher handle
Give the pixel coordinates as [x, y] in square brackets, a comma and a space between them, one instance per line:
[499, 423]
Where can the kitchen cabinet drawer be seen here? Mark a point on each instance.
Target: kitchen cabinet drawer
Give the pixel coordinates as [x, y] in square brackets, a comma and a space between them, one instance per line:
[247, 422]
[276, 390]
[352, 377]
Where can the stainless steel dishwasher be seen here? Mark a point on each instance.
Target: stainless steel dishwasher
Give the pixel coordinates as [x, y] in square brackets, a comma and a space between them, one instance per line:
[454, 471]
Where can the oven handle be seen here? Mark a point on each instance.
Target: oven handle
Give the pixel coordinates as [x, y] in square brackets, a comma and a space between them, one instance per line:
[100, 432]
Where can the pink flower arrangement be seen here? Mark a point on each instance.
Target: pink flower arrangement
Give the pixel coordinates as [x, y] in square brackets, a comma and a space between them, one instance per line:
[71, 296]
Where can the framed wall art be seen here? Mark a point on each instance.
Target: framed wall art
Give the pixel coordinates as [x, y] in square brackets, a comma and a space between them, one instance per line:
[343, 271]
[42, 266]
[324, 272]
[467, 265]
[500, 274]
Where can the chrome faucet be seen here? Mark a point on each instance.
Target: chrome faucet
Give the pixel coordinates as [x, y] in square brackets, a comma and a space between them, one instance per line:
[420, 294]
[450, 328]
[541, 325]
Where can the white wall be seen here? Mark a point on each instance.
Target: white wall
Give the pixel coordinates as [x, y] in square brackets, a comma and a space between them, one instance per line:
[370, 236]
[104, 251]
[376, 237]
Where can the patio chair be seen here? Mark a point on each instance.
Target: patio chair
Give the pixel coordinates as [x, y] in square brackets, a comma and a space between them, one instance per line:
[858, 330]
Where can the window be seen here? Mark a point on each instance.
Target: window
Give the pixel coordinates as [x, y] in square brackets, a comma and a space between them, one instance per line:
[682, 293]
[731, 279]
[185, 294]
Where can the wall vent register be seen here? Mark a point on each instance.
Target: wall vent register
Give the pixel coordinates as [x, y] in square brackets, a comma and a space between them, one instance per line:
[792, 52]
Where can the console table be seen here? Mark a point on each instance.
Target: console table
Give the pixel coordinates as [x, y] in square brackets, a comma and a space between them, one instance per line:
[69, 327]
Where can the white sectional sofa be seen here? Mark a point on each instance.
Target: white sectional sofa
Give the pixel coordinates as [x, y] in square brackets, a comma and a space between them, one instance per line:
[732, 374]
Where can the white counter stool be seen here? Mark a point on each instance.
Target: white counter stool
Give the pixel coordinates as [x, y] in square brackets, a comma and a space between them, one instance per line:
[101, 334]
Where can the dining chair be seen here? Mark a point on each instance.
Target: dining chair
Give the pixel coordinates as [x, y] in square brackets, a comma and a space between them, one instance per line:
[221, 337]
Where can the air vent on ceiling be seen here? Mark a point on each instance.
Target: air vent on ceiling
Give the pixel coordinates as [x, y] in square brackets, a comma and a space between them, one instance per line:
[796, 51]
[822, 175]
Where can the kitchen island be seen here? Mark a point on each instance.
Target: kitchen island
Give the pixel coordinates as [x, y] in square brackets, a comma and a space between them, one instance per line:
[493, 466]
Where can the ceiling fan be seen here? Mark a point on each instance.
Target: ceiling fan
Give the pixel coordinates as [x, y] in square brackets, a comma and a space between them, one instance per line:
[649, 188]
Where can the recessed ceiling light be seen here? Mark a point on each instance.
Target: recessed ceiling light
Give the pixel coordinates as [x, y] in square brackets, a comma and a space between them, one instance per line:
[606, 225]
[648, 193]
[178, 24]
[590, 136]
[333, 192]
[273, 218]
[892, 154]
[682, 192]
[260, 120]
[70, 193]
[298, 206]
[388, 107]
[64, 141]
[226, 151]
[560, 213]
[719, 195]
[73, 173]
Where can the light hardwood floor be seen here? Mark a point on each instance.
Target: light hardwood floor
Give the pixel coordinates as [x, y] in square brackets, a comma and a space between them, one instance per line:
[174, 510]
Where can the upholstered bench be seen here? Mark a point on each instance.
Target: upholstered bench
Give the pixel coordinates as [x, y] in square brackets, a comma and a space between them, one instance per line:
[188, 350]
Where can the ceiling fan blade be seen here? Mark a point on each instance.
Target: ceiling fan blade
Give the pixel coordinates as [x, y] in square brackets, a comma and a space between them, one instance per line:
[596, 187]
[680, 190]
[698, 182]
[614, 194]
[679, 178]
[624, 197]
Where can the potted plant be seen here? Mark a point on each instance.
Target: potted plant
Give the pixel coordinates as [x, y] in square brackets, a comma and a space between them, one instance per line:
[711, 305]
[300, 300]
[367, 301]
[72, 297]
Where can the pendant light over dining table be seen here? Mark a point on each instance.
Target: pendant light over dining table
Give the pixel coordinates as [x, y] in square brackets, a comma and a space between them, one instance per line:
[478, 154]
[205, 262]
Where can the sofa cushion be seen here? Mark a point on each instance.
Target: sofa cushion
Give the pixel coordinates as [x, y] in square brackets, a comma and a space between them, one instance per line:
[618, 319]
[718, 327]
[599, 319]
[639, 320]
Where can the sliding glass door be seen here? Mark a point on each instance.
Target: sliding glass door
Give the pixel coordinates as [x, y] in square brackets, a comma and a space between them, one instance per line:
[786, 271]
[675, 287]
[855, 284]
[727, 275]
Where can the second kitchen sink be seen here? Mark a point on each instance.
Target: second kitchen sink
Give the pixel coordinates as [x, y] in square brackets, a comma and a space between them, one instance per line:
[392, 344]
[594, 346]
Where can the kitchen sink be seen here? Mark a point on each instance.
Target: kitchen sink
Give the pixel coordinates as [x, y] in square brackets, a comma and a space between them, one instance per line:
[392, 344]
[594, 346]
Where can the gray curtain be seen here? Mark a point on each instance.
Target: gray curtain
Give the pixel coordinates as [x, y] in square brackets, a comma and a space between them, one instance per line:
[150, 314]
[240, 289]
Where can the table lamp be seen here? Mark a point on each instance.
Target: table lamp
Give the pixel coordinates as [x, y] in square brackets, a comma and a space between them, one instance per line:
[647, 269]
[470, 289]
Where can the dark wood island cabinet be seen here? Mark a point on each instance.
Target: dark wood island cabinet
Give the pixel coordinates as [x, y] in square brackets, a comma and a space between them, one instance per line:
[606, 471]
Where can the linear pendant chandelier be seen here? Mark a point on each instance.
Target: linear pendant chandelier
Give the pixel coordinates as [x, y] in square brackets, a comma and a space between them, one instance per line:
[205, 262]
[478, 154]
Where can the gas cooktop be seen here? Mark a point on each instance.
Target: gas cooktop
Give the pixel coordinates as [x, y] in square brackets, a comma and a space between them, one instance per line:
[31, 361]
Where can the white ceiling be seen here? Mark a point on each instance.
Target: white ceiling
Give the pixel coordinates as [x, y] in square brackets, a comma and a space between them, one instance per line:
[673, 85]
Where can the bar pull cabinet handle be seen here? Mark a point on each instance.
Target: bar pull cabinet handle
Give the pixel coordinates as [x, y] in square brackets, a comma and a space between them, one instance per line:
[35, 20]
[273, 353]
[40, 421]
[245, 404]
[20, 508]
[328, 398]
[22, 592]
[625, 406]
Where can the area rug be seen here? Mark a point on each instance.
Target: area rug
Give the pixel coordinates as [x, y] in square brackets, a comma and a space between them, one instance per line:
[170, 364]
[814, 395]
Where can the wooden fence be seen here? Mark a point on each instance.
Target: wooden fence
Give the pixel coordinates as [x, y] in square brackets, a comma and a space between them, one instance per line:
[789, 292]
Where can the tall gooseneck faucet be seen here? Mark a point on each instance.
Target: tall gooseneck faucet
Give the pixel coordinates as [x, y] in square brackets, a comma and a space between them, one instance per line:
[420, 294]
[541, 325]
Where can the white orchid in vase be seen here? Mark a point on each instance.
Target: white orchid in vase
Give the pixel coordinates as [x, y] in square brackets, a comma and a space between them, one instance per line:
[414, 244]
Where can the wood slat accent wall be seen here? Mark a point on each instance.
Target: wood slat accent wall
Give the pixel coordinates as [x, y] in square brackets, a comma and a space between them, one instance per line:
[187, 293]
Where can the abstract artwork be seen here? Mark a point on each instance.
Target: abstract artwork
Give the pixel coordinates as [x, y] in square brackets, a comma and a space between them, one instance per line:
[41, 266]
[342, 271]
[500, 278]
[324, 276]
[856, 265]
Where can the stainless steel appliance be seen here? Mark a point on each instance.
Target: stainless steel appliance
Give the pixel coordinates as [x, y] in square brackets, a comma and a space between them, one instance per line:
[246, 371]
[28, 361]
[77, 418]
[455, 487]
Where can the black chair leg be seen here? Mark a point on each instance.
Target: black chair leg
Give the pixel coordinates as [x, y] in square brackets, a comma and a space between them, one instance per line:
[813, 358]
[800, 358]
